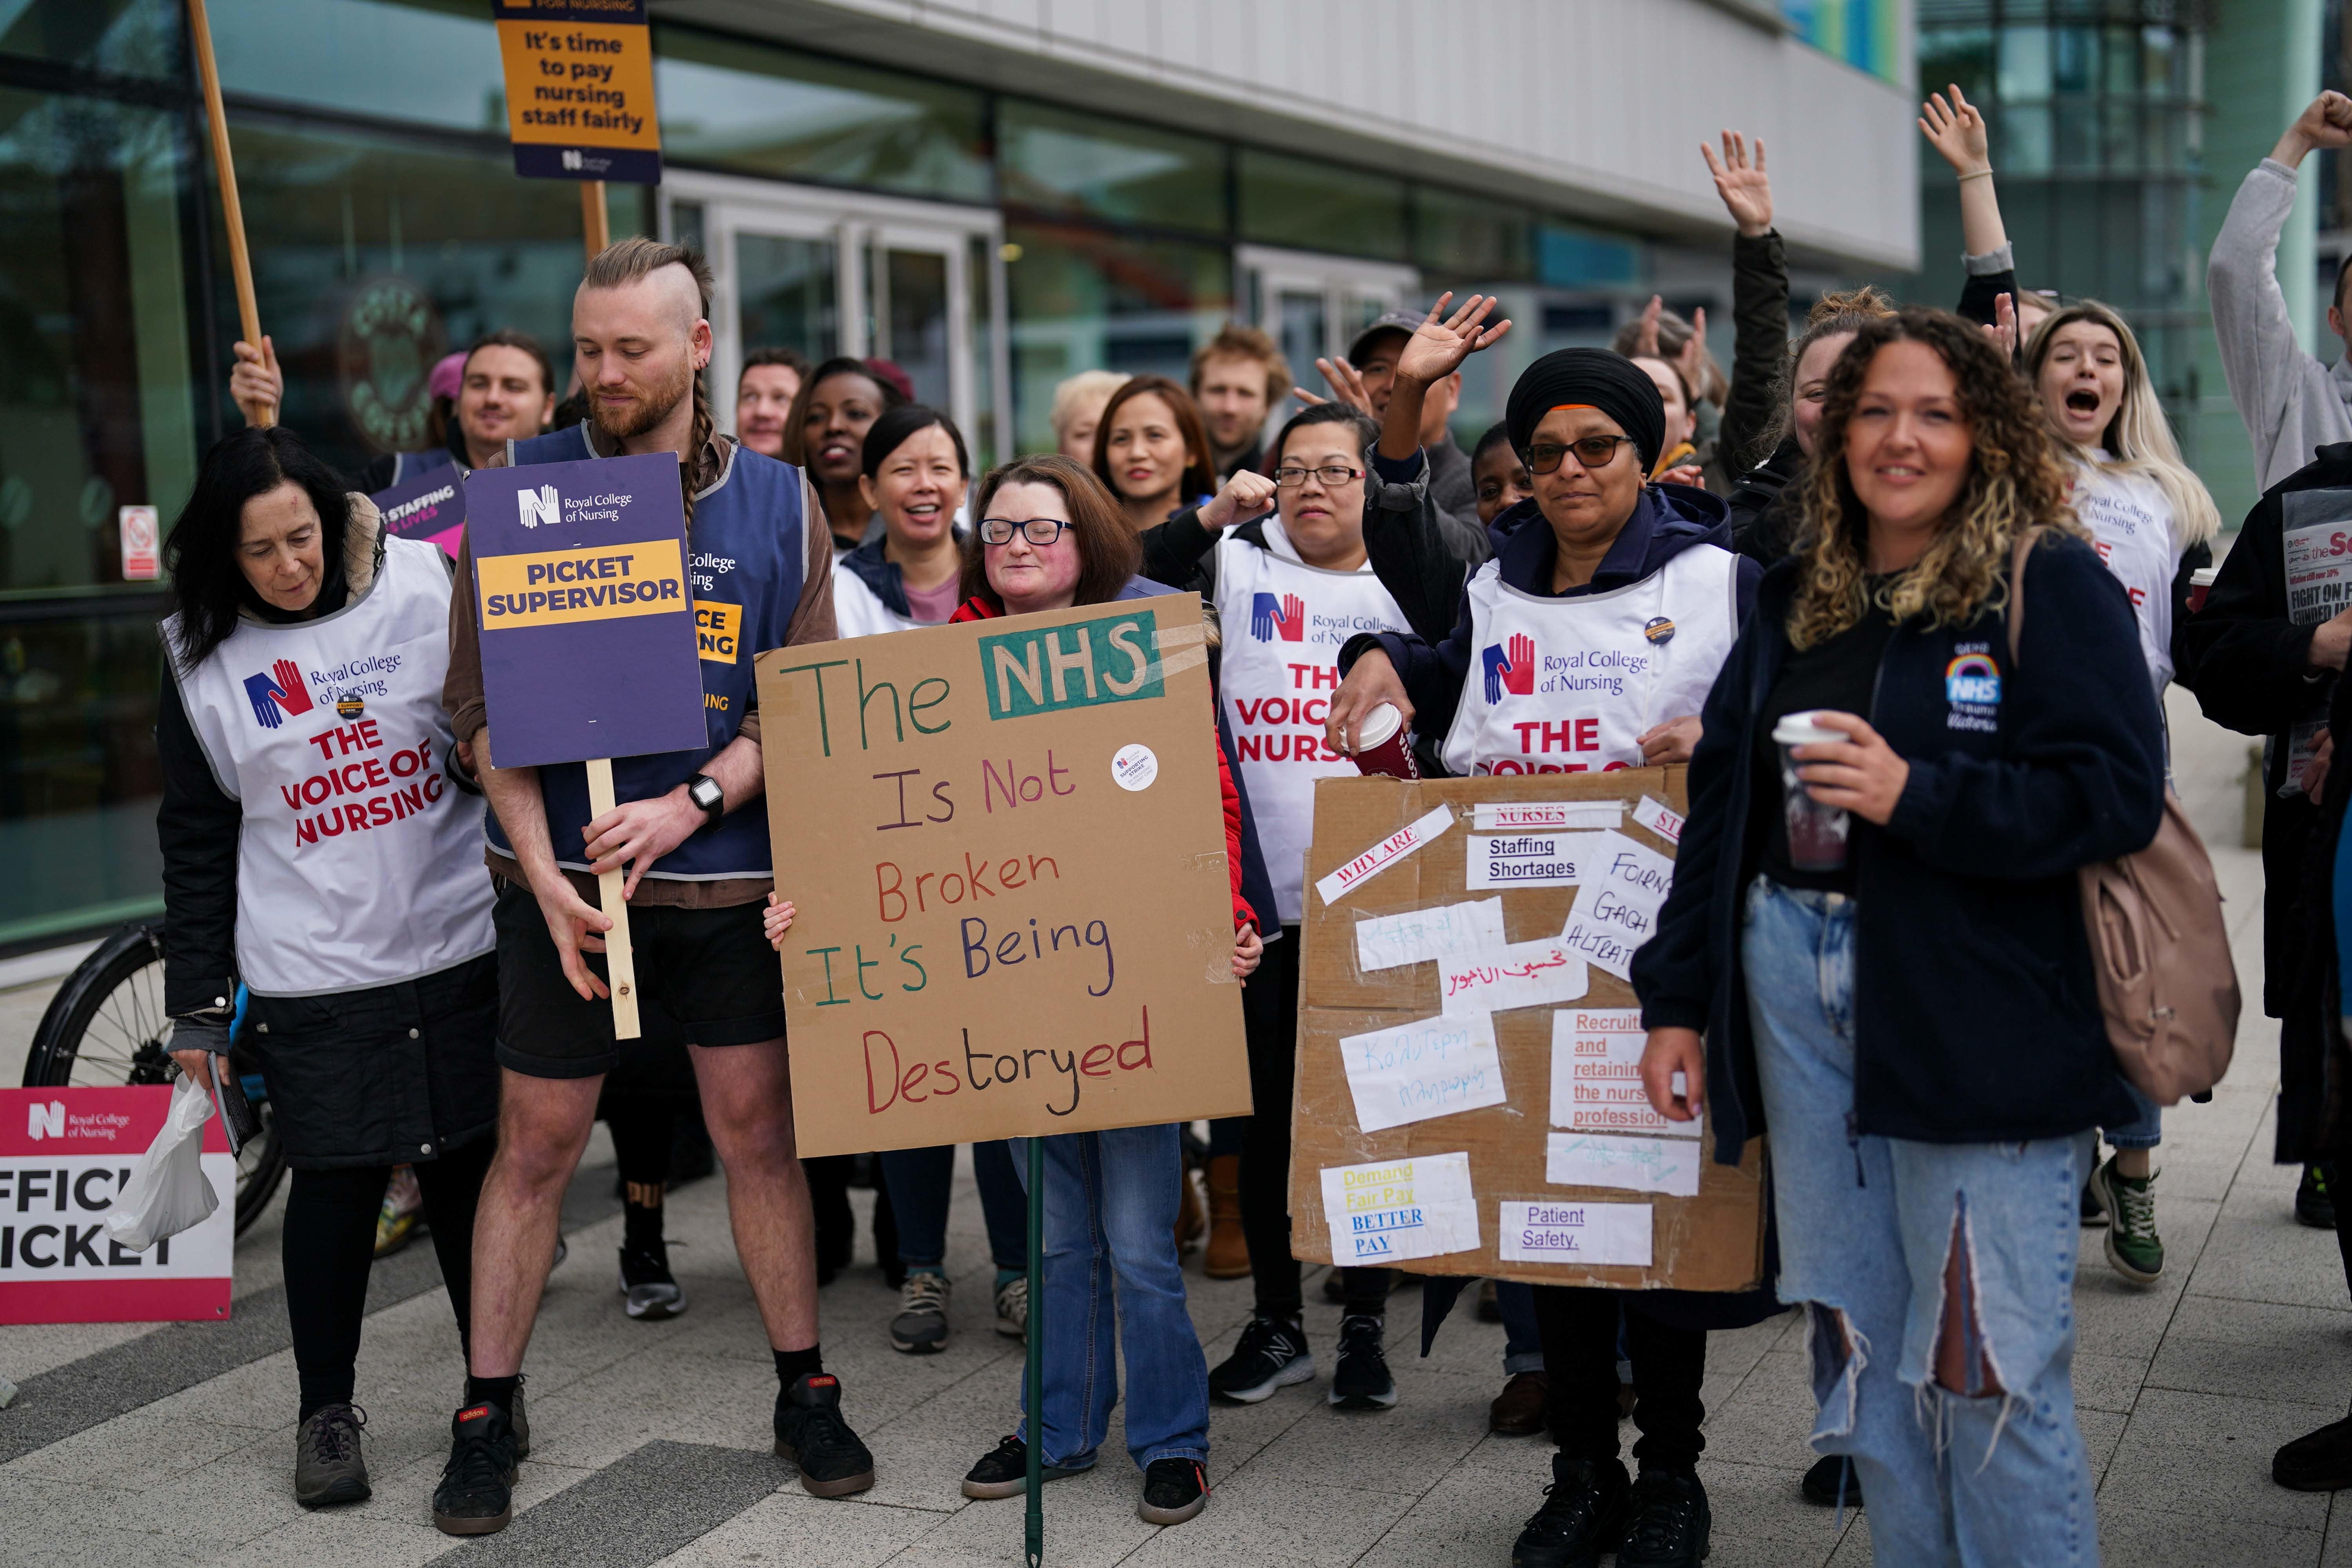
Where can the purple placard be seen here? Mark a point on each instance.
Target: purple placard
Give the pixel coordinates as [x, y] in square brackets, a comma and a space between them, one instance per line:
[431, 508]
[585, 610]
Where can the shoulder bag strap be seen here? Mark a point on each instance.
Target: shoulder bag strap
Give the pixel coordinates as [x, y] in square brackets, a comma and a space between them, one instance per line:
[2025, 544]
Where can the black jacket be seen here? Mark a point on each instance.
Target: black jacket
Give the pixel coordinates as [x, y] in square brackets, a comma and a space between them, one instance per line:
[1666, 521]
[1763, 505]
[2313, 1058]
[1760, 351]
[1976, 1013]
[2247, 663]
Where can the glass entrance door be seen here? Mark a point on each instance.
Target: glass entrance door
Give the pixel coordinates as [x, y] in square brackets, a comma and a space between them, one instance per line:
[916, 284]
[1312, 306]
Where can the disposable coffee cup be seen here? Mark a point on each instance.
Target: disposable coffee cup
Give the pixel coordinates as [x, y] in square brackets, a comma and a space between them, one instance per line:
[1816, 832]
[2201, 583]
[1384, 746]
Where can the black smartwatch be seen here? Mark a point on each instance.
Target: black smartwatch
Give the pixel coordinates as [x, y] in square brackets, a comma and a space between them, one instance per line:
[704, 791]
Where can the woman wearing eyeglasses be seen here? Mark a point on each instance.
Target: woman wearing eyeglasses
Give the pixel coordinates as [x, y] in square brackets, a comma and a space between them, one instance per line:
[1589, 643]
[1344, 551]
[1051, 536]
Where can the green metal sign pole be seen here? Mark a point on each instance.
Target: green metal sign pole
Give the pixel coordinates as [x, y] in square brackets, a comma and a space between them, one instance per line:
[1034, 1526]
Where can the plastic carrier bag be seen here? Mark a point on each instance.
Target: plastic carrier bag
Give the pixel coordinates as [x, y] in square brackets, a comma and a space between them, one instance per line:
[167, 1192]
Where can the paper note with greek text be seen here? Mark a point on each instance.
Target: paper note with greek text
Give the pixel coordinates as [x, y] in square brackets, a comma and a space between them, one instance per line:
[1432, 1067]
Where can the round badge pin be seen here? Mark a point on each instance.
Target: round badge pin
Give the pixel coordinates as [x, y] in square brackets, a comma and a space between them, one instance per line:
[1134, 766]
[1658, 629]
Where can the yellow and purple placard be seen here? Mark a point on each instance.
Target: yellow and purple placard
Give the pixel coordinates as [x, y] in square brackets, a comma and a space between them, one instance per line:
[580, 90]
[585, 611]
[431, 507]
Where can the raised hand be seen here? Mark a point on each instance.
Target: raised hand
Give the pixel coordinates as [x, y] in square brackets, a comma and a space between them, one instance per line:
[257, 386]
[1692, 359]
[1345, 384]
[1747, 193]
[2326, 121]
[1437, 348]
[1645, 333]
[1244, 496]
[1958, 131]
[2003, 327]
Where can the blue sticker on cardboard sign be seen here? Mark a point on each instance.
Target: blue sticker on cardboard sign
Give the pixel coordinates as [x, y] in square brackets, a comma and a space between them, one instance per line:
[431, 507]
[585, 611]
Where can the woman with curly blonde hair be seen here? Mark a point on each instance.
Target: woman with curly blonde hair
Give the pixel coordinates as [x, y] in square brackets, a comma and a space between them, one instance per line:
[1931, 1076]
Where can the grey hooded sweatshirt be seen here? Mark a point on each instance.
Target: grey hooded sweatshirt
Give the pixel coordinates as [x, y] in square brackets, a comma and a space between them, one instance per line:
[2291, 402]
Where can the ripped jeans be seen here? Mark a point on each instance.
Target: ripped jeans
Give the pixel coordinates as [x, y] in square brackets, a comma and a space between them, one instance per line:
[1866, 1230]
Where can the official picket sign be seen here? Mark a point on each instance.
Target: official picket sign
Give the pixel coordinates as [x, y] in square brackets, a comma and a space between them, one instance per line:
[1010, 921]
[587, 612]
[580, 90]
[430, 507]
[65, 1153]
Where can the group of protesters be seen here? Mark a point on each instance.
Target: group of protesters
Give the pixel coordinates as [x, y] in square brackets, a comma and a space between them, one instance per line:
[1818, 562]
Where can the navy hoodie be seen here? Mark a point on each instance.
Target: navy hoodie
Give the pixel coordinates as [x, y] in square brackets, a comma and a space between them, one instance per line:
[1666, 521]
[1976, 1011]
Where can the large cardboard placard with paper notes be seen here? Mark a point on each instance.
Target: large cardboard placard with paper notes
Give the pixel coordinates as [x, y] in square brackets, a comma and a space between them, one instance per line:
[1469, 1101]
[1006, 845]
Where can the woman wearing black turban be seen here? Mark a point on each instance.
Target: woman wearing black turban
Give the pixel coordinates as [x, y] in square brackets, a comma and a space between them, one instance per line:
[1588, 644]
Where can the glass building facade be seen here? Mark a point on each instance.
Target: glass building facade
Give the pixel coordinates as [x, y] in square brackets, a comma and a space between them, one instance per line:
[2097, 110]
[387, 227]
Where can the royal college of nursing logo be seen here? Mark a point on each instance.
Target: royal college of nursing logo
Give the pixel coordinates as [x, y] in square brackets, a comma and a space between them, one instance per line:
[1514, 673]
[1286, 618]
[539, 507]
[278, 693]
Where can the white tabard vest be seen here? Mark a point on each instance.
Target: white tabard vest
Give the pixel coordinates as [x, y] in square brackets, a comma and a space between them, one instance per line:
[1566, 685]
[358, 862]
[1282, 622]
[2131, 527]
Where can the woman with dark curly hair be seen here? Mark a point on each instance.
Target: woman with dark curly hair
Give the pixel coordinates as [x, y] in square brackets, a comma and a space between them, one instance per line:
[1931, 1077]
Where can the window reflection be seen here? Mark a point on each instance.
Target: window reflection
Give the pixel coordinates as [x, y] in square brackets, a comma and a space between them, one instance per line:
[1086, 166]
[1313, 205]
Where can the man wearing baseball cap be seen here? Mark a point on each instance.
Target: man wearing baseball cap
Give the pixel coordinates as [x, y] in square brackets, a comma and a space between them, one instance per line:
[1366, 378]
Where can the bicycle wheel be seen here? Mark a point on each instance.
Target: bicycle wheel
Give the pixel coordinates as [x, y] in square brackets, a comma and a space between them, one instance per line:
[107, 1026]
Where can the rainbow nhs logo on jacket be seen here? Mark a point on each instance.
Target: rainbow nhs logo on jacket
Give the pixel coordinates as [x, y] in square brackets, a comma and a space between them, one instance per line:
[1972, 689]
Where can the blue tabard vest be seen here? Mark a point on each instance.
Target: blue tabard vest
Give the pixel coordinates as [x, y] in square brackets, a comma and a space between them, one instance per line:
[747, 551]
[408, 466]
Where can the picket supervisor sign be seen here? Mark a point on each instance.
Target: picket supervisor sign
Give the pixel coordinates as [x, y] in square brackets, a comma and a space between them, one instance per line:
[586, 616]
[65, 1154]
[1006, 844]
[580, 90]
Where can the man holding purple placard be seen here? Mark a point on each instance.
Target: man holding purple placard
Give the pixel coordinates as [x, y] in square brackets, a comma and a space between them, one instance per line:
[756, 577]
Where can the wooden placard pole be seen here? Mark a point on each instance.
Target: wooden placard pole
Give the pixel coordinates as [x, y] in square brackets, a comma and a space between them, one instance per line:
[596, 217]
[619, 962]
[249, 309]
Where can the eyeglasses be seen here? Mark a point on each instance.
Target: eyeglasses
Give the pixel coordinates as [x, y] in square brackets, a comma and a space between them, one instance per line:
[1592, 452]
[1039, 530]
[1332, 474]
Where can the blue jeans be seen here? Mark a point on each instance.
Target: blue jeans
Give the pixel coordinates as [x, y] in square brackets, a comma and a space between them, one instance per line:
[1866, 1229]
[2145, 1130]
[1522, 1342]
[920, 1181]
[1110, 1215]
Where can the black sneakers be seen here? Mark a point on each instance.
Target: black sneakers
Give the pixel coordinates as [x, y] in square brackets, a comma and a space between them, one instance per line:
[476, 1496]
[1821, 1483]
[1584, 1514]
[650, 1289]
[2314, 1196]
[1272, 1353]
[811, 1432]
[1361, 1380]
[2317, 1461]
[1004, 1471]
[1669, 1524]
[327, 1469]
[1173, 1491]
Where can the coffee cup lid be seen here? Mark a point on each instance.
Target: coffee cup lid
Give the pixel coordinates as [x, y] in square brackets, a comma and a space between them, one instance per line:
[1803, 730]
[1377, 725]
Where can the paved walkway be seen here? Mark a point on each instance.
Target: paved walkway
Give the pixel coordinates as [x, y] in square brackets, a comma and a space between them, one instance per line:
[132, 1444]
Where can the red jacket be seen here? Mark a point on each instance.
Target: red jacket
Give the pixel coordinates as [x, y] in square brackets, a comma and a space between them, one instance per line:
[977, 608]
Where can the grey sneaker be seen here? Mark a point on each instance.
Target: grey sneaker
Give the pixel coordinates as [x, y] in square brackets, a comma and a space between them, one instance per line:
[1013, 1308]
[327, 1469]
[921, 1326]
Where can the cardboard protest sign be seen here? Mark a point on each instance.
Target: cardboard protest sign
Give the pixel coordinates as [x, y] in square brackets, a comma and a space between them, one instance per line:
[1006, 844]
[431, 507]
[65, 1153]
[587, 616]
[580, 90]
[1415, 998]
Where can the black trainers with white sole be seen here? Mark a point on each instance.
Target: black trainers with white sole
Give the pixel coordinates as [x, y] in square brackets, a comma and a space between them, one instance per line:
[650, 1290]
[1361, 1380]
[1271, 1353]
[1004, 1471]
[1173, 1491]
